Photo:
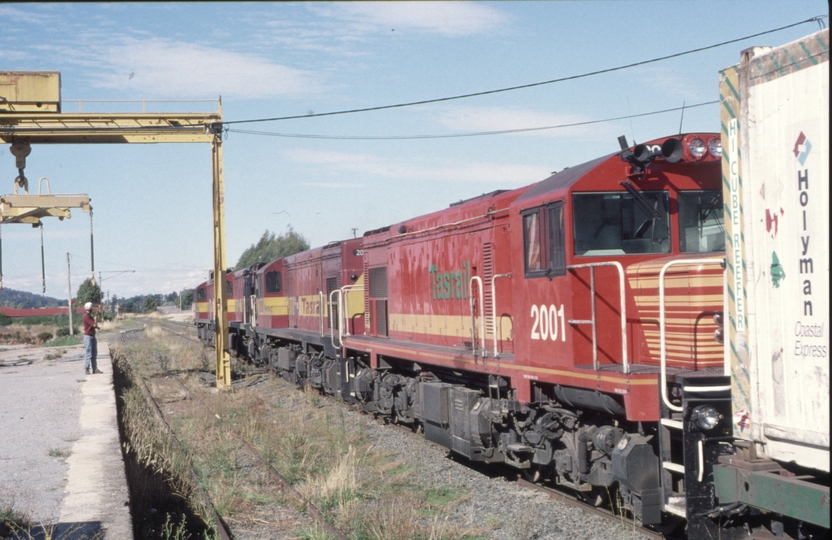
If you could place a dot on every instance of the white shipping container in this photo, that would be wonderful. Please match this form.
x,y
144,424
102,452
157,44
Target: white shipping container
x,y
775,120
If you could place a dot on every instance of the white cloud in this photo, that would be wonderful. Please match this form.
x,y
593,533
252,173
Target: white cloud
x,y
10,14
164,67
405,170
452,19
335,185
672,82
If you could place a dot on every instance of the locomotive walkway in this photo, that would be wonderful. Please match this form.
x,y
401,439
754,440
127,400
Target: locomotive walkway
x,y
60,457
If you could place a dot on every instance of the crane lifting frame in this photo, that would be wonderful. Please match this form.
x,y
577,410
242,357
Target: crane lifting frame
x,y
32,208
50,127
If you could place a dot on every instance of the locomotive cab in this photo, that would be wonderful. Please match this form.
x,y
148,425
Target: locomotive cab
x,y
622,263
594,238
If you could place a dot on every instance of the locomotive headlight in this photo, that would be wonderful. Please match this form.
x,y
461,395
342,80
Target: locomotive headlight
x,y
719,320
715,147
705,417
697,148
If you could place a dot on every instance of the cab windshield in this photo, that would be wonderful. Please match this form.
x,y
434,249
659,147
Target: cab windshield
x,y
619,223
700,221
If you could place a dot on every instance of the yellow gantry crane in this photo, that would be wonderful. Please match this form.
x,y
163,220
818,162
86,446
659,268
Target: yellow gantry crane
x,y
30,114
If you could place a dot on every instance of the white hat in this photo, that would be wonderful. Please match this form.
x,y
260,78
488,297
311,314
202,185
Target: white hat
x,y
88,306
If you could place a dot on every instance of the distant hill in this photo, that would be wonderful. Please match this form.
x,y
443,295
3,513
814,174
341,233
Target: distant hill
x,y
26,300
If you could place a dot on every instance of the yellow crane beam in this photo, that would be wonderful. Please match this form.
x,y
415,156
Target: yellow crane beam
x,y
113,128
30,108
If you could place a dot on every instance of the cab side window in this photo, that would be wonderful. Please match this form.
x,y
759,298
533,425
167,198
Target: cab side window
x,y
273,282
543,241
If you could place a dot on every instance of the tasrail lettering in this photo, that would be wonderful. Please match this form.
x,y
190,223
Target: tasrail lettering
x,y
309,307
450,285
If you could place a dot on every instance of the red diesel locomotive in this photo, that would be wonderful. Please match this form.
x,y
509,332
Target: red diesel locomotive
x,y
570,328
203,307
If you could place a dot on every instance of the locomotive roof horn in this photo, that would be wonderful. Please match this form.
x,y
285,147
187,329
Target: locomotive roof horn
x,y
642,155
672,150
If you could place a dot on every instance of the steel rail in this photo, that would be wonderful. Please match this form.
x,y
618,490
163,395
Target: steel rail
x,y
311,508
573,501
219,525
287,486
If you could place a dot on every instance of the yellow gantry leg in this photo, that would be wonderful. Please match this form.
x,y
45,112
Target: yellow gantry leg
x,y
220,296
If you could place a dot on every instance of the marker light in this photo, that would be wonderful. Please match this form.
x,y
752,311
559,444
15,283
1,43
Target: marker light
x,y
715,147
705,417
697,148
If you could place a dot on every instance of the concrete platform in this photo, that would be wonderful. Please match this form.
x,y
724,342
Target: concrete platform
x,y
60,458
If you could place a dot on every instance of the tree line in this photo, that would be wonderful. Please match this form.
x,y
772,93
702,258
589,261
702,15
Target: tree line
x,y
268,248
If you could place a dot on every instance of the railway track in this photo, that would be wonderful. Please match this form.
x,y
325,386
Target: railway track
x,y
569,499
224,531
555,494
562,496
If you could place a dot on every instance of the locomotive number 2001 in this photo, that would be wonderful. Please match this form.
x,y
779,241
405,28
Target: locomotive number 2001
x,y
548,323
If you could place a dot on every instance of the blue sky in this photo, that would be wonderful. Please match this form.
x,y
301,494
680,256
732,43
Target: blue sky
x,y
152,203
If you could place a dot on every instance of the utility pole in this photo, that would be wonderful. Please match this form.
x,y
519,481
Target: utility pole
x,y
69,292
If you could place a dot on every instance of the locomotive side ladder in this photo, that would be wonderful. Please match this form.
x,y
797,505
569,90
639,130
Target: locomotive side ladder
x,y
693,390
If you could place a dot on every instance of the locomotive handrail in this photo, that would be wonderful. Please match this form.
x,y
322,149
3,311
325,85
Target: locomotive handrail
x,y
343,302
473,315
662,339
332,334
321,311
494,308
624,363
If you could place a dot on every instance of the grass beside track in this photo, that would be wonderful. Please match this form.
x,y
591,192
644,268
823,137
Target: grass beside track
x,y
321,449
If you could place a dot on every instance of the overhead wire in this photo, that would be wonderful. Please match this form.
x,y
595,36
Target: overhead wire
x,y
460,135
529,85
131,266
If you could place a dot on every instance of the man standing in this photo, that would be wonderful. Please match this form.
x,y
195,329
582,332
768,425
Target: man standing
x,y
90,343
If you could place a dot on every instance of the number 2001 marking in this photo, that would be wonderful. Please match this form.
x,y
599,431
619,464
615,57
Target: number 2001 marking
x,y
546,325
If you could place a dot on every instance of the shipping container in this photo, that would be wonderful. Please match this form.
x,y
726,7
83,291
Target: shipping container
x,y
775,129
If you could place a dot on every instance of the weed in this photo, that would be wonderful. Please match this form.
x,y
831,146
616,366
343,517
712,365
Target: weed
x,y
65,341
55,355
444,496
11,520
175,531
58,452
310,440
316,533
525,527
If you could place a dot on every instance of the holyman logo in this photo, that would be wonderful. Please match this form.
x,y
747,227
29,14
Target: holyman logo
x,y
802,148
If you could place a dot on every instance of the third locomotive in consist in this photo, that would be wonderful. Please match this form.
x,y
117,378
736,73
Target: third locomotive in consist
x,y
575,329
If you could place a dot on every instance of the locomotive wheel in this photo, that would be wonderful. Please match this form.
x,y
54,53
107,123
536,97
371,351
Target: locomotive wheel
x,y
536,473
598,496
